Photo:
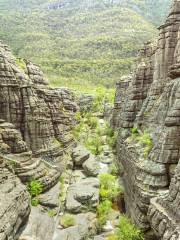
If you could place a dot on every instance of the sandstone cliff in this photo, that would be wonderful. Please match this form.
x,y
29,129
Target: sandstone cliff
x,y
149,102
35,135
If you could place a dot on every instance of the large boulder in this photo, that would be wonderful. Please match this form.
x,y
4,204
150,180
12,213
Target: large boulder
x,y
91,167
79,155
82,195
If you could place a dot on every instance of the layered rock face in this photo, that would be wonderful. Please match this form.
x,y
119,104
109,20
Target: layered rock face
x,y
150,102
35,135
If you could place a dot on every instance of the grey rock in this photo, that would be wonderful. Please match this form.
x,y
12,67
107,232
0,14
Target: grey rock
x,y
51,197
91,167
82,195
79,155
85,226
40,226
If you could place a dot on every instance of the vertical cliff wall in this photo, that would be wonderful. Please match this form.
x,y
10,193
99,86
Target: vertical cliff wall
x,y
149,102
35,136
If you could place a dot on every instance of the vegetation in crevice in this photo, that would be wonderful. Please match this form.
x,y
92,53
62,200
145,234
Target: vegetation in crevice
x,y
143,138
126,231
67,220
35,188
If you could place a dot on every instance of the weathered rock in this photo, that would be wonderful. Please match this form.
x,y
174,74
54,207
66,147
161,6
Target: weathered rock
x,y
150,101
82,195
40,226
51,198
79,155
14,203
91,167
35,134
85,226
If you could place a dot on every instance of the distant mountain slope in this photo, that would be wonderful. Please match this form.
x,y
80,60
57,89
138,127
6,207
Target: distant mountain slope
x,y
80,41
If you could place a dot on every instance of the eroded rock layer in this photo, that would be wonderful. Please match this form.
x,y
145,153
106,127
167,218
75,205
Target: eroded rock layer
x,y
149,102
35,135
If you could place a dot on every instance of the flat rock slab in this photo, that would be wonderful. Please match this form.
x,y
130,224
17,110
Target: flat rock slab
x,y
85,226
82,195
51,197
79,155
40,226
91,167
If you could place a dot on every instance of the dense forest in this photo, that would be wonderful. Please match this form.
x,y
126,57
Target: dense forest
x,y
80,41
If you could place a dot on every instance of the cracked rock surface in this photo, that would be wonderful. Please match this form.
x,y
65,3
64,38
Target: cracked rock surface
x,y
149,100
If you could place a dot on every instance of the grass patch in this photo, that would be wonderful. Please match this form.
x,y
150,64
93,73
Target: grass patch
x,y
67,220
126,231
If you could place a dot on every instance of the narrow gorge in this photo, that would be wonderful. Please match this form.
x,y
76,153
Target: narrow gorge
x,y
79,167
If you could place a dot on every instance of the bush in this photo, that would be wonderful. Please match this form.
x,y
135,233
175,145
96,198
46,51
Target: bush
x,y
109,187
134,131
93,122
94,144
67,220
35,189
114,170
103,211
126,231
146,140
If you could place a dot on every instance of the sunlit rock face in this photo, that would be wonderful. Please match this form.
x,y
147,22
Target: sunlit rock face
x,y
150,102
35,135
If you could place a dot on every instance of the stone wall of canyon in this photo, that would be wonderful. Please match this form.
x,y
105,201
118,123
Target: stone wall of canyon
x,y
35,136
149,102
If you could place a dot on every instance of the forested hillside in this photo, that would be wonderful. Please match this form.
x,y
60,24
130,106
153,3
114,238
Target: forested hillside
x,y
80,41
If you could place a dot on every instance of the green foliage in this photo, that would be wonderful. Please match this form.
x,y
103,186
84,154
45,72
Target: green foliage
x,y
52,213
67,220
144,139
126,231
84,42
93,122
103,211
114,170
78,116
35,189
21,64
62,194
111,136
94,144
109,187
134,131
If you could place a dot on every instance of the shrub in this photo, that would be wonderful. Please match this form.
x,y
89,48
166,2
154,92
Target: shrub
x,y
94,144
127,231
114,169
78,116
52,213
35,189
109,187
112,140
93,122
146,140
103,211
134,131
67,220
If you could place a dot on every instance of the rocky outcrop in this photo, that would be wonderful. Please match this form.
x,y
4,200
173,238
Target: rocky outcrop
x,y
14,202
35,135
149,101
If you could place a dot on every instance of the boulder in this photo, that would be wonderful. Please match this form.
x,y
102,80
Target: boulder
x,y
79,155
91,167
82,195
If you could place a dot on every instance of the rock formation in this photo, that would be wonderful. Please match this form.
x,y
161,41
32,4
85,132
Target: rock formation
x,y
35,135
149,102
